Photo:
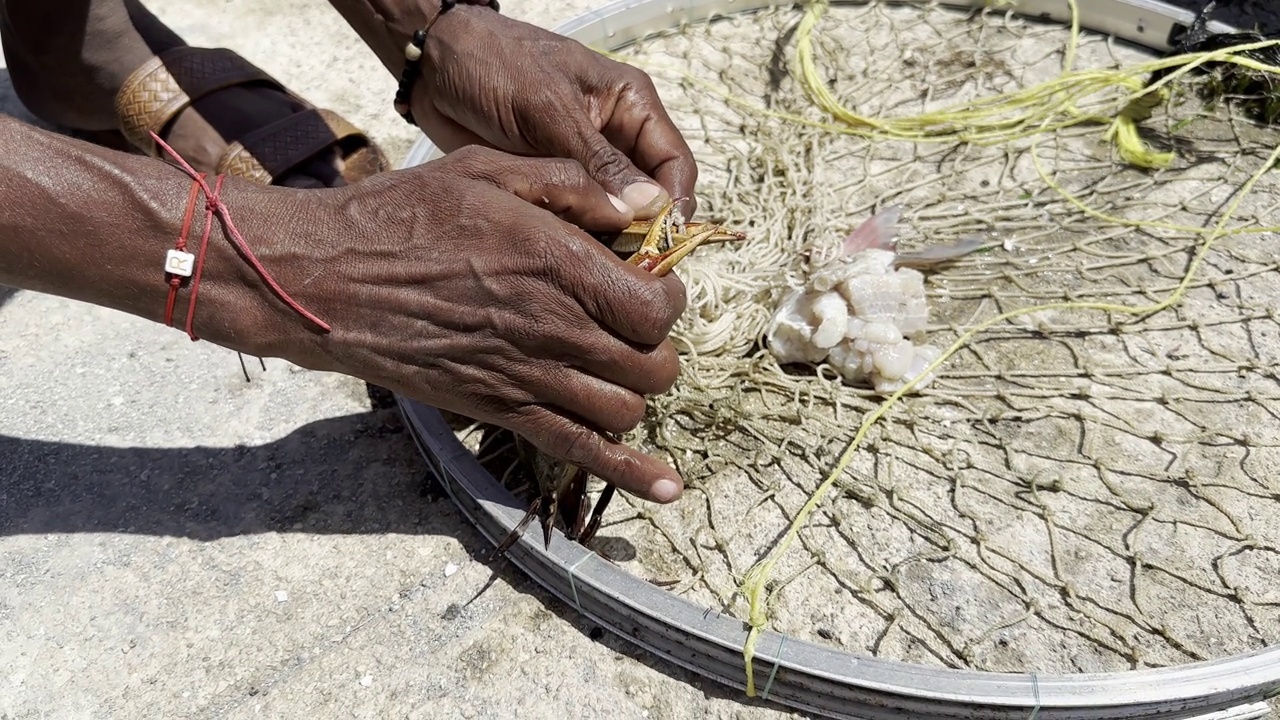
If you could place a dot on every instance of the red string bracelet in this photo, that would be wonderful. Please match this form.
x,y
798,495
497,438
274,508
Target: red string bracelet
x,y
215,206
209,208
178,262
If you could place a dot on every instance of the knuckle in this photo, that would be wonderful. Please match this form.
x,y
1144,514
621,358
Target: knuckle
x,y
544,250
481,153
478,162
649,327
464,157
624,415
640,80
607,162
692,171
662,368
662,304
677,297
578,446
626,303
569,174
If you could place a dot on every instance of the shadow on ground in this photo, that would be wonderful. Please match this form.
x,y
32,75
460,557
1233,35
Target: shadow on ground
x,y
356,474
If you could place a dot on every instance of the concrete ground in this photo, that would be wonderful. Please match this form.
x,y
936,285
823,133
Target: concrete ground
x,y
178,543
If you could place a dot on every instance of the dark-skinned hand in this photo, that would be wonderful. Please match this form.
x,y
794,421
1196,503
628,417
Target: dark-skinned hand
x,y
490,80
467,284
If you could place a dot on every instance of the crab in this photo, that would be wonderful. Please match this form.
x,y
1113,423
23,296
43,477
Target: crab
x,y
656,245
1256,93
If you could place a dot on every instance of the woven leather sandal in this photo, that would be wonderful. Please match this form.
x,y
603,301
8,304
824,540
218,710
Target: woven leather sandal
x,y
165,85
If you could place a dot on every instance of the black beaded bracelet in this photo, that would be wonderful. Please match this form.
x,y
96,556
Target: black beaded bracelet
x,y
413,54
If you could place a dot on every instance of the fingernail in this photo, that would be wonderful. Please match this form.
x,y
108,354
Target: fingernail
x,y
665,490
622,207
644,196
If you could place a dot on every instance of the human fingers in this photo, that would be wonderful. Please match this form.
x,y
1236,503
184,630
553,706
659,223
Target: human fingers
x,y
614,462
640,127
561,186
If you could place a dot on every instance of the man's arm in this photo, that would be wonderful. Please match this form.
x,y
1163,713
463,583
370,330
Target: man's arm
x,y
414,270
94,225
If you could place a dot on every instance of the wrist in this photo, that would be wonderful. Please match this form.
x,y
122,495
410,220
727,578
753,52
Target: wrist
x,y
432,40
400,20
235,306
395,21
387,25
117,218
403,18
454,28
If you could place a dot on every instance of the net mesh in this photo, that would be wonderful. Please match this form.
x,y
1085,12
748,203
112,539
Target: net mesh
x,y
1078,490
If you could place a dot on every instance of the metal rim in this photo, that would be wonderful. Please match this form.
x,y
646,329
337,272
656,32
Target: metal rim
x,y
791,671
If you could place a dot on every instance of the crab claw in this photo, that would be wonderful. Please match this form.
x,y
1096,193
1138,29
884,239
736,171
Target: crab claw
x,y
679,241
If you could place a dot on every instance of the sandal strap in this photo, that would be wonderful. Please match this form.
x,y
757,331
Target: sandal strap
x,y
165,85
273,150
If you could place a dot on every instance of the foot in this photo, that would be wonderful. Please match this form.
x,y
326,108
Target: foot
x,y
224,115
204,130
111,72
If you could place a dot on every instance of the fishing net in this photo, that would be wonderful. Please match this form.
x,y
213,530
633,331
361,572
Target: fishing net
x,y
1081,489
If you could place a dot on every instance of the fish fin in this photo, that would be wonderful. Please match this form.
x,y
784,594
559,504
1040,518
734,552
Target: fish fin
x,y
876,232
938,254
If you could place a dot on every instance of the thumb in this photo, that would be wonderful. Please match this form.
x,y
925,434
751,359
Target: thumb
x,y
615,172
560,186
617,464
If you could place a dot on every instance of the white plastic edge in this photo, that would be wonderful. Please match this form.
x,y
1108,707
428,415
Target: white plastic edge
x,y
794,672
